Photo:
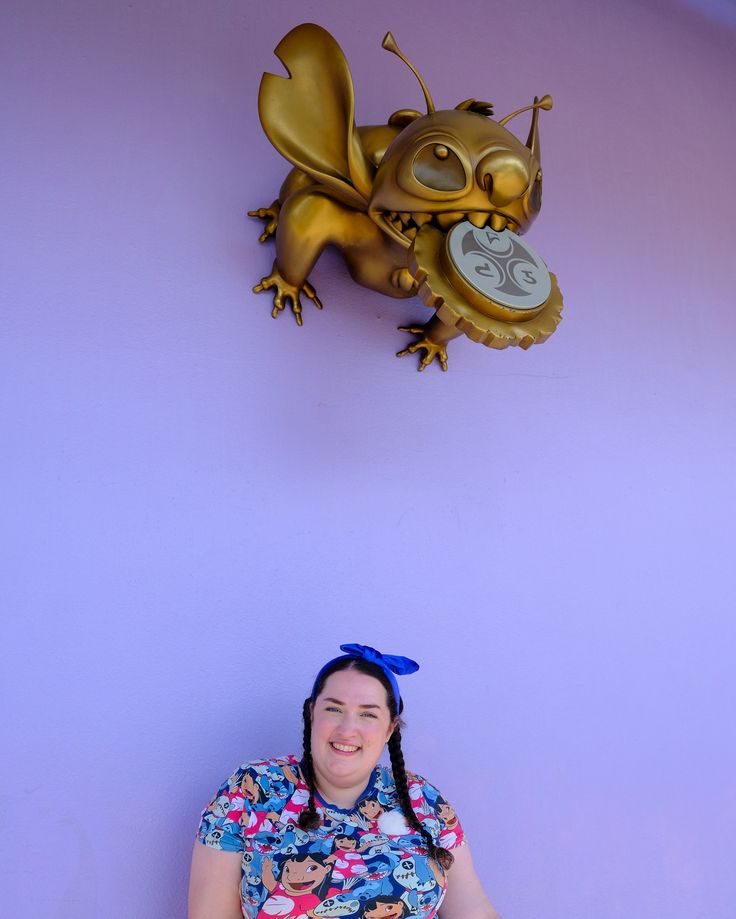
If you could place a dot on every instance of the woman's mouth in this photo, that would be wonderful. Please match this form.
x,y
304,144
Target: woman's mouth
x,y
346,749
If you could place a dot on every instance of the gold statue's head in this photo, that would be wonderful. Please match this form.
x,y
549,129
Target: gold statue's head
x,y
457,164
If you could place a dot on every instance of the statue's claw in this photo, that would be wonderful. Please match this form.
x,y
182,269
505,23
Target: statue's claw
x,y
433,350
285,292
271,216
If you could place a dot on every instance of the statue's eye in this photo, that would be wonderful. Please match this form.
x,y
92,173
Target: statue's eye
x,y
437,166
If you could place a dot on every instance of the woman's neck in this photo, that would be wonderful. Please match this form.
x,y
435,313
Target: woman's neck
x,y
342,797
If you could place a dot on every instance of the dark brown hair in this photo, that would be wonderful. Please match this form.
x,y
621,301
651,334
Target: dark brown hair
x,y
309,819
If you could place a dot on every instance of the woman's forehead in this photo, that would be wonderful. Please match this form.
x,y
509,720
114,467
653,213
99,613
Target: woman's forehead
x,y
354,687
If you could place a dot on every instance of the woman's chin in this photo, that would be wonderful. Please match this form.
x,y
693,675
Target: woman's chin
x,y
340,768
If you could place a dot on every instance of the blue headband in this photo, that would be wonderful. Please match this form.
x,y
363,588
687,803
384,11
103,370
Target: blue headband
x,y
389,664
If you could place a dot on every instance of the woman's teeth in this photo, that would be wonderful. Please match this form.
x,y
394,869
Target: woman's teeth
x,y
345,748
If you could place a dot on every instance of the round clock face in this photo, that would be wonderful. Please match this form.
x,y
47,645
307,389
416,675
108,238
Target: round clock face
x,y
501,266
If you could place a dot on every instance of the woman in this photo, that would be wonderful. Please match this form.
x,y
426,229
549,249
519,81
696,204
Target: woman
x,y
336,834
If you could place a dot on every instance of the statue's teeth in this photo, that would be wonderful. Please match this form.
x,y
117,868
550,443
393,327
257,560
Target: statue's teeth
x,y
450,219
498,222
421,219
405,215
478,218
411,232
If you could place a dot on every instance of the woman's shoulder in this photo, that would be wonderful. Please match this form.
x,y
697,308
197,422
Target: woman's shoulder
x,y
417,785
272,764
385,776
423,785
265,773
428,804
253,791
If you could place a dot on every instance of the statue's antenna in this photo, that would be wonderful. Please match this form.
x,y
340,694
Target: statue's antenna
x,y
545,102
389,43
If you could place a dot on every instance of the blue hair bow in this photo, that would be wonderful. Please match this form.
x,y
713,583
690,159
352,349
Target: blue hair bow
x,y
393,662
390,664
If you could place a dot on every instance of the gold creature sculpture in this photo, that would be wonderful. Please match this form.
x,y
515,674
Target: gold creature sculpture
x,y
428,204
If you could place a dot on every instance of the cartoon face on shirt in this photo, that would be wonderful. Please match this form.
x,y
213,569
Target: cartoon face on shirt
x,y
406,874
213,837
221,806
384,908
332,907
247,869
266,843
302,876
250,788
346,843
371,808
295,833
447,815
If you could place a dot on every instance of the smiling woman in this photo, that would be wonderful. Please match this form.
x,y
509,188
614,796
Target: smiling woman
x,y
334,833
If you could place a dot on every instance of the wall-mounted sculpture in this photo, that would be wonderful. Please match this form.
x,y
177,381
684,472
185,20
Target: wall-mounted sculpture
x,y
431,205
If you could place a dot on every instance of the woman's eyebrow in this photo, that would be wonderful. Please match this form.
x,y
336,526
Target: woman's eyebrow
x,y
339,702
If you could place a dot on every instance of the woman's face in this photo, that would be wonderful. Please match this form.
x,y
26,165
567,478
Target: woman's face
x,y
350,726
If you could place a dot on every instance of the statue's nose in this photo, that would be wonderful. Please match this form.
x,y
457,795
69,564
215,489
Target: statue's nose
x,y
503,175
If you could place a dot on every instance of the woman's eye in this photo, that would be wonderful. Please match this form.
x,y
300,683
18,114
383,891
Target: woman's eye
x,y
368,715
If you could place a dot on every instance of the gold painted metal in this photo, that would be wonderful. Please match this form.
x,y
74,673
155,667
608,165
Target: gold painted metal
x,y
458,305
386,195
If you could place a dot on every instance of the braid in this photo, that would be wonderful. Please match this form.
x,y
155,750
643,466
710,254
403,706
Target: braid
x,y
309,818
443,856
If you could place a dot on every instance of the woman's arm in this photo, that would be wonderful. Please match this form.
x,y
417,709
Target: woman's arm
x,y
465,898
214,884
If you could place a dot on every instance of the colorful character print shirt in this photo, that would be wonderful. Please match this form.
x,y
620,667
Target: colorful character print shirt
x,y
362,863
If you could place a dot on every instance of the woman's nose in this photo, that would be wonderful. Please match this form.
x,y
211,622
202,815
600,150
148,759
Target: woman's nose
x,y
348,723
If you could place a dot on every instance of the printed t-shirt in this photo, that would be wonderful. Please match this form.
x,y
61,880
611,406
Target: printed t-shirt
x,y
361,863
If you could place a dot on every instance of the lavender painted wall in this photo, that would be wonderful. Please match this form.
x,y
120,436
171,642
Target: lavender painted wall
x,y
200,503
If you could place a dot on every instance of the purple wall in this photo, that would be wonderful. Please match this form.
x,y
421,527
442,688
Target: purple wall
x,y
201,503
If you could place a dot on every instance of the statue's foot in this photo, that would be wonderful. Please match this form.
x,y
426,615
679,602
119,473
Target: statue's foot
x,y
271,216
432,349
285,292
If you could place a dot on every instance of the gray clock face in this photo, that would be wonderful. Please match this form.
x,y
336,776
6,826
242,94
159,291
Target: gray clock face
x,y
501,266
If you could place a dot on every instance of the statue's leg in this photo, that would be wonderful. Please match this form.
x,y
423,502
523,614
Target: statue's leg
x,y
296,180
308,221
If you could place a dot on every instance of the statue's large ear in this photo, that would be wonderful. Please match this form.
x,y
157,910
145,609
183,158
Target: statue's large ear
x,y
403,117
309,116
476,105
